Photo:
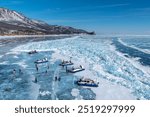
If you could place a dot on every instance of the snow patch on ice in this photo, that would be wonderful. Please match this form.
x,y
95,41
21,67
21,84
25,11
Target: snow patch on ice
x,y
1,56
22,64
76,94
45,93
4,62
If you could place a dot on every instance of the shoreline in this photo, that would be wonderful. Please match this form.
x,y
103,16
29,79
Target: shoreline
x,y
31,38
22,36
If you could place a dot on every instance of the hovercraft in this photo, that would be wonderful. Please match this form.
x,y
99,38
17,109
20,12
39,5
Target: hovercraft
x,y
87,82
75,69
32,52
44,60
65,63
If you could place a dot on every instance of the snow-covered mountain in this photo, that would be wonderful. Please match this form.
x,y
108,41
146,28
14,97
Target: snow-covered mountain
x,y
12,22
16,18
8,15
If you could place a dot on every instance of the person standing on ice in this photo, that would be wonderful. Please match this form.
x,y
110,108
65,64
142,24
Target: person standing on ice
x,y
14,72
59,78
46,72
48,67
37,69
55,78
35,80
20,71
70,59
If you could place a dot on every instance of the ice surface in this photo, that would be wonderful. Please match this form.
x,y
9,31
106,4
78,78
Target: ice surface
x,y
132,46
122,75
119,77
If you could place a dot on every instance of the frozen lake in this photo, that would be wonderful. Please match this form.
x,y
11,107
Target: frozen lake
x,y
121,67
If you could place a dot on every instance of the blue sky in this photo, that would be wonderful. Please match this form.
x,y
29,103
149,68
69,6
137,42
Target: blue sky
x,y
102,16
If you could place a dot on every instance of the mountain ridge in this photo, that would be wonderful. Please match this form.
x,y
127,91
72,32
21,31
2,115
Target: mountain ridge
x,y
14,23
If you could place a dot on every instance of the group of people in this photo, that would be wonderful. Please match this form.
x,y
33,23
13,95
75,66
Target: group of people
x,y
63,62
37,69
15,72
57,78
